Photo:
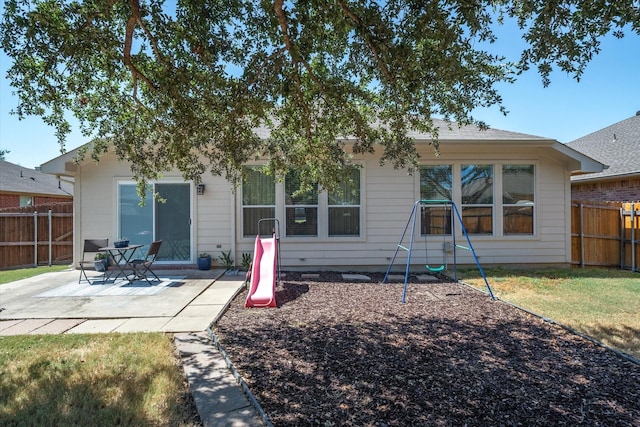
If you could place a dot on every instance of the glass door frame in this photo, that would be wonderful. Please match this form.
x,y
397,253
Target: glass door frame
x,y
149,199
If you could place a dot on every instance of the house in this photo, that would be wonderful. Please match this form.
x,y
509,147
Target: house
x,y
512,189
20,186
617,146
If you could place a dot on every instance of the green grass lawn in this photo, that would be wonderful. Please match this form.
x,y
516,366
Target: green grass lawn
x,y
601,303
101,380
7,276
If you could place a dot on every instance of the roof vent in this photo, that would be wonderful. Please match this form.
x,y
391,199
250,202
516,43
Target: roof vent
x,y
637,113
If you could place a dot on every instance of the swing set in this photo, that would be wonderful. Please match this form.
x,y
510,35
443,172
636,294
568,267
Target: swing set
x,y
454,214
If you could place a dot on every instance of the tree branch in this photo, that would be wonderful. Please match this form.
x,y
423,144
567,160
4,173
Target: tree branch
x,y
376,55
284,28
133,20
90,19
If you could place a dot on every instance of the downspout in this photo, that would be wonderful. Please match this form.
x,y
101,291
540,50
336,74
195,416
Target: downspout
x,y
567,209
77,220
234,232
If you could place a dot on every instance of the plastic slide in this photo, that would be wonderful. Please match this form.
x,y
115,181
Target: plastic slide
x,y
262,292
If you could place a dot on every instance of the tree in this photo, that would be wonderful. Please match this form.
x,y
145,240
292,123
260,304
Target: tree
x,y
3,154
187,84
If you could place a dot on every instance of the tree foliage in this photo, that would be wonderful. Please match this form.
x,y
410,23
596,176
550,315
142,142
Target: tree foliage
x,y
208,85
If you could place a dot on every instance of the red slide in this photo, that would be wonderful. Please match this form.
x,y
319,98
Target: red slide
x,y
262,292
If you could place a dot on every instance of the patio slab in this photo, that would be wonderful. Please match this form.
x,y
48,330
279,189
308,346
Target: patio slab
x,y
58,326
4,324
142,324
216,293
96,326
25,327
22,299
187,324
219,400
427,278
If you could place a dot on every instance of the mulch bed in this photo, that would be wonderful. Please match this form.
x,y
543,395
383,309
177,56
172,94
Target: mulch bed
x,y
337,353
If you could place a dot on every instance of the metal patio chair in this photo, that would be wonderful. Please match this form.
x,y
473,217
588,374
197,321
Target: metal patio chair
x,y
142,267
91,247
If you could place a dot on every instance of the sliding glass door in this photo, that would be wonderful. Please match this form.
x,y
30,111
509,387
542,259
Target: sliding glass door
x,y
167,218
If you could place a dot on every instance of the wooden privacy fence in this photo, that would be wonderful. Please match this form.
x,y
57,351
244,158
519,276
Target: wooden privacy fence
x,y
40,235
605,234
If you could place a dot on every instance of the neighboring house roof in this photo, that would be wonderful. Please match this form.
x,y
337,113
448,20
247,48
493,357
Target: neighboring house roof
x,y
617,145
16,179
448,133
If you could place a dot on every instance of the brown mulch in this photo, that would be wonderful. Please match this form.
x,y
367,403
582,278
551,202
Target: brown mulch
x,y
336,353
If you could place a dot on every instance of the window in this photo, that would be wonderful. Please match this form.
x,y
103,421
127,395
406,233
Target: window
x,y
517,199
344,206
301,207
477,198
26,201
258,199
435,184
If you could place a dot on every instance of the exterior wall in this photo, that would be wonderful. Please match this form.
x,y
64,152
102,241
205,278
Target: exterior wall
x,y
9,201
44,200
13,200
97,214
623,190
387,198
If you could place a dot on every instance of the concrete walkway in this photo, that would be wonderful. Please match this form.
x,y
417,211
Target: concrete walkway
x,y
187,307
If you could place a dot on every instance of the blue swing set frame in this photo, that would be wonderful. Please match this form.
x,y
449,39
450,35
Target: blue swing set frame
x,y
455,213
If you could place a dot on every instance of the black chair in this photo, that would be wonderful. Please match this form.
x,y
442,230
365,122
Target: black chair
x,y
142,267
91,247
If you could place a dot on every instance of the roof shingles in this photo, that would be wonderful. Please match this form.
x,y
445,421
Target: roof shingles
x,y
18,179
617,145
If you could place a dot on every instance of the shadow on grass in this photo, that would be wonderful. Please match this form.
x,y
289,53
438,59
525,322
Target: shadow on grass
x,y
57,391
622,337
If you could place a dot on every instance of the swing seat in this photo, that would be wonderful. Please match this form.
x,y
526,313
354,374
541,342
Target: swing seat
x,y
434,269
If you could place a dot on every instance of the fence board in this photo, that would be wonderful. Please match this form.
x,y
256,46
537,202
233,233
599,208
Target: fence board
x,y
631,236
27,238
597,233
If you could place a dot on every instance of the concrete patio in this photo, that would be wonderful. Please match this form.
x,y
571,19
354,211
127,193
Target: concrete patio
x,y
190,303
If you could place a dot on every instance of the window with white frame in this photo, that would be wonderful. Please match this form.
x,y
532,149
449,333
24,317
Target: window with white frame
x,y
344,206
310,213
477,198
301,207
518,199
258,199
436,183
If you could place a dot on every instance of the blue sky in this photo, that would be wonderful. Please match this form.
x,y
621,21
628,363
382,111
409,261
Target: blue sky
x,y
609,91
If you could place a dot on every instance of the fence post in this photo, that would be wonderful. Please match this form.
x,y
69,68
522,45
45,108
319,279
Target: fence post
x,y
35,238
581,205
633,237
622,236
50,242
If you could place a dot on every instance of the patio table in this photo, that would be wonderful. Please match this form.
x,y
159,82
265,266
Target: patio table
x,y
121,257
